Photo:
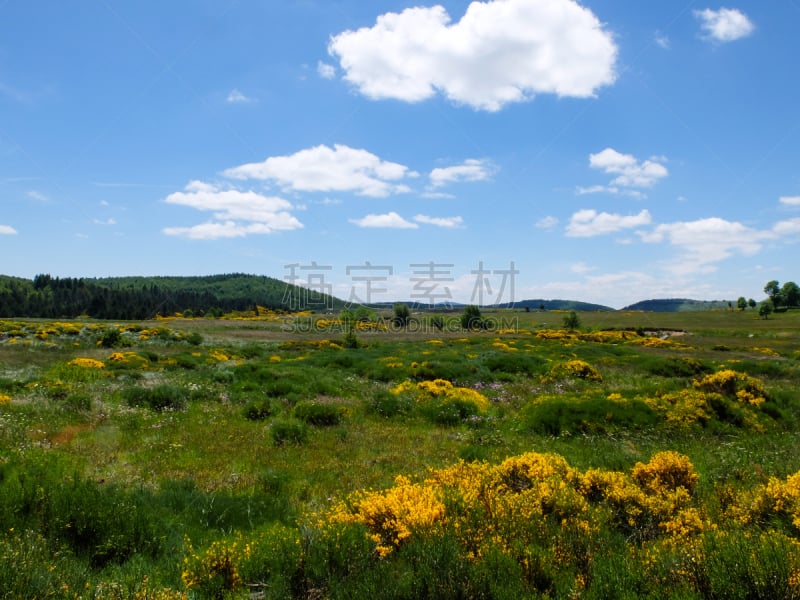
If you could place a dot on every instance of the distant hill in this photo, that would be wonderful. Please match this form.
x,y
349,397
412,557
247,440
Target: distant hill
x,y
679,305
145,297
553,305
523,304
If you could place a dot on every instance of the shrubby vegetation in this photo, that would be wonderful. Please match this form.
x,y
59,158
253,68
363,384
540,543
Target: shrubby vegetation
x,y
637,459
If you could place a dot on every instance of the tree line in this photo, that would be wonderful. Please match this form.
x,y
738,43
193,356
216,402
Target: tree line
x,y
137,298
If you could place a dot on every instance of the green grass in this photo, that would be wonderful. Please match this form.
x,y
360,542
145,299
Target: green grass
x,y
222,428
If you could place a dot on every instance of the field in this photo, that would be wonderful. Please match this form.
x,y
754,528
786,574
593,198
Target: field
x,y
639,455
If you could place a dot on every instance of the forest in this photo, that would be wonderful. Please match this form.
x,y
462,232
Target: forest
x,y
147,297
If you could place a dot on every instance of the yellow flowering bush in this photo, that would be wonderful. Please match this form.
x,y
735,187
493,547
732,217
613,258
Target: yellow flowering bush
x,y
735,385
666,472
441,389
5,399
683,408
391,516
579,369
217,568
775,499
87,363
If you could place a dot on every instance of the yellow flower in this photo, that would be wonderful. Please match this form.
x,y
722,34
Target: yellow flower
x,y
86,363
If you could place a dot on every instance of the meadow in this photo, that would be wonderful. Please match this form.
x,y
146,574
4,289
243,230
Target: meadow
x,y
639,455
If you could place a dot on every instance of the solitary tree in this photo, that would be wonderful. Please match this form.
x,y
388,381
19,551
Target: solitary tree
x,y
402,315
572,321
471,318
765,309
741,303
752,303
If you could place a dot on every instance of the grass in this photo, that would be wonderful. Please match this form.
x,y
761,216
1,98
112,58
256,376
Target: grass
x,y
216,436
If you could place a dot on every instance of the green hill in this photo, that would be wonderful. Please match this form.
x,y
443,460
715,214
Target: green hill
x,y
680,305
145,297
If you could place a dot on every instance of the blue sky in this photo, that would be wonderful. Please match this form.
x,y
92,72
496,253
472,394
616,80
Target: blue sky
x,y
489,151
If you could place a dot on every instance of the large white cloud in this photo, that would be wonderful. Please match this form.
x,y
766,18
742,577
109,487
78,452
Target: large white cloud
x,y
588,222
7,230
472,169
501,51
389,220
790,200
630,172
707,241
725,24
236,213
324,169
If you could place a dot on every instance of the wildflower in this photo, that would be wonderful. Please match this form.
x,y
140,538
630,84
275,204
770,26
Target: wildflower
x,y
86,363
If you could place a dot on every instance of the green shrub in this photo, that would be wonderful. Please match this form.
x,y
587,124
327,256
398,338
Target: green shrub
x,y
514,362
78,402
194,339
386,404
449,411
319,413
161,397
258,410
289,431
593,415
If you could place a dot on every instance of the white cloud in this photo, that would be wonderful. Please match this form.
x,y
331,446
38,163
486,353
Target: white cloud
x,y
661,40
707,241
501,51
110,221
37,196
630,172
589,223
725,24
790,200
390,220
214,231
609,189
325,70
324,169
471,169
547,222
580,268
445,222
786,227
237,97
236,213
7,230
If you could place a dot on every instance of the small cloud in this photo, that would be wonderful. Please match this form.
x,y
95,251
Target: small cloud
x,y
589,223
237,97
110,221
580,268
7,230
546,223
792,226
790,200
446,222
661,40
471,169
436,195
725,24
630,171
37,196
389,220
325,70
